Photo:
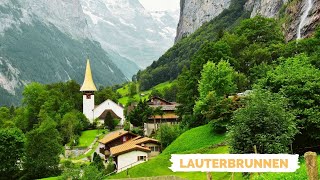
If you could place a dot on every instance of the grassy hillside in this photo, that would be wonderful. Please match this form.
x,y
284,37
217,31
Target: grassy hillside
x,y
124,92
301,173
200,140
203,141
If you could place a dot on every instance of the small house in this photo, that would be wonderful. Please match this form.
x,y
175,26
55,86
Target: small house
x,y
128,149
168,115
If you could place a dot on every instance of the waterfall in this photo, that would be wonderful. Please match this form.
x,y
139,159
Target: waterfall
x,y
303,18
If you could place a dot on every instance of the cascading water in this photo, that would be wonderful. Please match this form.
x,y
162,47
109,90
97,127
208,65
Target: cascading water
x,y
303,18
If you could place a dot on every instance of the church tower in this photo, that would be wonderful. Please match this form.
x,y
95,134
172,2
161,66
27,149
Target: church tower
x,y
88,89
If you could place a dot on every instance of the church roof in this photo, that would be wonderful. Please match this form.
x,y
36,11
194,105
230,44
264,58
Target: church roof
x,y
88,84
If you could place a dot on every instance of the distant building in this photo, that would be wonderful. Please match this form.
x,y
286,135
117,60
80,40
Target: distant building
x,y
128,149
168,115
93,112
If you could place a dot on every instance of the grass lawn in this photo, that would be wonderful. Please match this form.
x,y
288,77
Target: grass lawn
x,y
87,137
301,173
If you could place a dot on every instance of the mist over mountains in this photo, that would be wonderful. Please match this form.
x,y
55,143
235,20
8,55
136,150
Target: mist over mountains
x,y
49,41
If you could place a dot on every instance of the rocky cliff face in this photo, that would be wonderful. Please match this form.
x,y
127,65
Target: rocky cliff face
x,y
194,13
295,11
267,8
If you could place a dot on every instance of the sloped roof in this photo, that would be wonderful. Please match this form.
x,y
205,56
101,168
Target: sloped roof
x,y
104,114
133,144
157,97
165,116
88,84
112,136
165,107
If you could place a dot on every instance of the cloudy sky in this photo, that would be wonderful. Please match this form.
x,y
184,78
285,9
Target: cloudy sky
x,y
158,5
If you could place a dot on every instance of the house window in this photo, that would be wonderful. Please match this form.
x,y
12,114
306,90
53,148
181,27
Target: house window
x,y
124,138
142,158
156,148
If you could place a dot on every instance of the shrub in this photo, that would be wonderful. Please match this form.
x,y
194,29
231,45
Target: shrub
x,y
265,123
167,134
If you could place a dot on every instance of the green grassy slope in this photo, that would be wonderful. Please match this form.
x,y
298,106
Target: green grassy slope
x,y
87,137
301,173
200,140
124,92
197,140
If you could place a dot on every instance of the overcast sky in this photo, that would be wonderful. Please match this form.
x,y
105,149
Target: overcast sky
x,y
158,5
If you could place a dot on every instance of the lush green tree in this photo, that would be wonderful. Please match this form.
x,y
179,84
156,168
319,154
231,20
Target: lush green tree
x,y
43,148
170,93
70,127
53,100
260,30
217,109
92,172
6,116
34,96
265,123
188,80
299,81
217,81
168,133
187,93
110,166
217,77
140,114
156,93
97,161
21,119
70,171
106,93
132,89
11,152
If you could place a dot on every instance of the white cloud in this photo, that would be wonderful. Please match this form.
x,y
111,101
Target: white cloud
x,y
159,5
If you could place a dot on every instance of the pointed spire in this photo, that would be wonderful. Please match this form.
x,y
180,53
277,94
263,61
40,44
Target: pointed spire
x,y
88,84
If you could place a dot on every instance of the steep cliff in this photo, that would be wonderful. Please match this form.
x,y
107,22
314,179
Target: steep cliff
x,y
294,18
267,8
193,13
290,13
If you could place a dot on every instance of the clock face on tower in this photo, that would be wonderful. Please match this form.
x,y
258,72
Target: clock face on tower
x,y
88,96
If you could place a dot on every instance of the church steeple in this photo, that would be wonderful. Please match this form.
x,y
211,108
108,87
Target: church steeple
x,y
88,84
88,89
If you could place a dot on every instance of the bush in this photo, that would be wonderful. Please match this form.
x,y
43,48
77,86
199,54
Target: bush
x,y
126,126
137,130
167,134
92,172
265,123
97,161
111,166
